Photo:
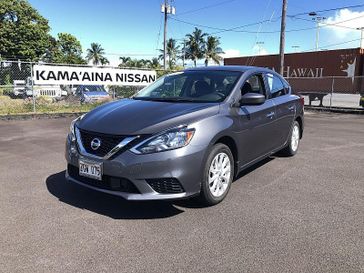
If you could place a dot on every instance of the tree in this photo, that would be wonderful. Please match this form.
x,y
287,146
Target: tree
x,y
95,54
52,52
139,63
69,50
104,61
124,61
212,50
195,45
23,31
172,51
154,64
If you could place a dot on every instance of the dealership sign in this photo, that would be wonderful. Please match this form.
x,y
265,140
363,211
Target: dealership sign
x,y
47,74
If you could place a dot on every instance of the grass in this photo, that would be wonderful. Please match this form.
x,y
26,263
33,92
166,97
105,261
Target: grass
x,y
10,106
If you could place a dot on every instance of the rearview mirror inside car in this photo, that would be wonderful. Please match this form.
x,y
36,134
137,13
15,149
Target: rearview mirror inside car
x,y
252,99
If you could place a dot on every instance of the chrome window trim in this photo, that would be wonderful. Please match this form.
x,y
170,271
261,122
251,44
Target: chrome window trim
x,y
113,151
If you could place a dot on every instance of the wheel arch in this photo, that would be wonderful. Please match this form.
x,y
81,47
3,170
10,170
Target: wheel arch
x,y
300,122
230,142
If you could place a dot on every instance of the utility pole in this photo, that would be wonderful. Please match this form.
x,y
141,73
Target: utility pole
x,y
361,36
184,52
282,38
165,34
166,9
318,20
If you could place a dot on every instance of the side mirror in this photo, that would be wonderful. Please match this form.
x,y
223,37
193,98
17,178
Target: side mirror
x,y
252,99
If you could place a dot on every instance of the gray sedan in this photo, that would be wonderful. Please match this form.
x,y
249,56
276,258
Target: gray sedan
x,y
187,134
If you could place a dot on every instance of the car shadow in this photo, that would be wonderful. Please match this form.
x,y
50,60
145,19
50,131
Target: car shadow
x,y
194,202
255,166
106,204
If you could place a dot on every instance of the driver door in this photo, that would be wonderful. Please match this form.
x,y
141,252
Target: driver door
x,y
256,122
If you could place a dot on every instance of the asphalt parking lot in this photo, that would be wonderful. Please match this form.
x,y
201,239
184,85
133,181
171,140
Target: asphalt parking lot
x,y
301,214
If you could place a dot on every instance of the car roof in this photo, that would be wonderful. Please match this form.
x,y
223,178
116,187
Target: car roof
x,y
240,68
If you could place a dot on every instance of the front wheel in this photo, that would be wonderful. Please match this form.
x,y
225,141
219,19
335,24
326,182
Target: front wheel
x,y
293,141
218,175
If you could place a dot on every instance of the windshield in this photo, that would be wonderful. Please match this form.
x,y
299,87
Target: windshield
x,y
191,86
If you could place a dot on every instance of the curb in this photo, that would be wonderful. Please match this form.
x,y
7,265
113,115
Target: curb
x,y
40,116
356,111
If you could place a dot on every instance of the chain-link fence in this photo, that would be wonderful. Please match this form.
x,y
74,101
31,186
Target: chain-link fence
x,y
20,94
344,92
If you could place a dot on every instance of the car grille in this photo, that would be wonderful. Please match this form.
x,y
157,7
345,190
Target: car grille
x,y
165,185
108,142
110,183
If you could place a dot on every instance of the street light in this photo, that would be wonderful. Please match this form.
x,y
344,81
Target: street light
x,y
361,36
318,19
295,48
259,44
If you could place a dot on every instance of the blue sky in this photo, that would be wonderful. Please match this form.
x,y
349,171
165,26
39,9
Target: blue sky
x,y
136,27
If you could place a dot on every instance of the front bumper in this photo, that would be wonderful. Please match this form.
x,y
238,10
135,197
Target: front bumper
x,y
184,165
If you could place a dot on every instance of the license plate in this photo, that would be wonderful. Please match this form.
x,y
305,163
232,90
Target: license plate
x,y
90,169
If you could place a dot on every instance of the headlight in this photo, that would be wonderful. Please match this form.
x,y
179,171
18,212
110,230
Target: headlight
x,y
72,127
169,140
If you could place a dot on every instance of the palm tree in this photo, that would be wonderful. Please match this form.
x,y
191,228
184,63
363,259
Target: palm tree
x,y
125,61
195,45
154,64
212,50
172,50
95,54
104,61
129,62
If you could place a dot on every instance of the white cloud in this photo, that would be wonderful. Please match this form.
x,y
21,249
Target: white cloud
x,y
229,53
259,50
347,19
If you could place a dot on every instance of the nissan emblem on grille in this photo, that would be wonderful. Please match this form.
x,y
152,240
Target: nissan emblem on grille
x,y
95,143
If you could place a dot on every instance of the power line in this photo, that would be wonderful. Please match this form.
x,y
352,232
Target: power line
x,y
330,45
326,10
261,25
206,7
328,24
159,32
131,54
236,29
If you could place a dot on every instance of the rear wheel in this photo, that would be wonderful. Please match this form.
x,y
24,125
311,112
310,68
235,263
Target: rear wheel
x,y
218,175
293,141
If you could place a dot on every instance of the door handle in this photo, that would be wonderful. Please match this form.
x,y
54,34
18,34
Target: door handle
x,y
291,108
270,115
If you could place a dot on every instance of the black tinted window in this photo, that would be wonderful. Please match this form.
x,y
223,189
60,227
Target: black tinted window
x,y
276,86
254,84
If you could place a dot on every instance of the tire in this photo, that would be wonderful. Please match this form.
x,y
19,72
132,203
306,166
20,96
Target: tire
x,y
293,140
213,191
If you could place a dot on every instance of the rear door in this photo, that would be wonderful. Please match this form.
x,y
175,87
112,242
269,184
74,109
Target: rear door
x,y
285,108
256,123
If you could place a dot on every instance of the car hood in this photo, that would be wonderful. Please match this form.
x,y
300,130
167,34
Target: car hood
x,y
134,117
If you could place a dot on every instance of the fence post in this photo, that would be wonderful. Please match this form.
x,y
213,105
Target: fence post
x,y
31,85
332,90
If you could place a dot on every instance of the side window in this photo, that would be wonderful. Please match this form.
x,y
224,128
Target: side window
x,y
276,86
254,84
